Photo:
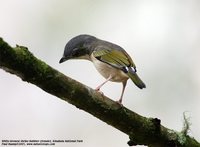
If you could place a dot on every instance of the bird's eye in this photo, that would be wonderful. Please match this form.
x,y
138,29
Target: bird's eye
x,y
75,52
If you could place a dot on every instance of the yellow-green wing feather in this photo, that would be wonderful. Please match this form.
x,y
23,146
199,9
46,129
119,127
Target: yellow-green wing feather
x,y
119,59
113,57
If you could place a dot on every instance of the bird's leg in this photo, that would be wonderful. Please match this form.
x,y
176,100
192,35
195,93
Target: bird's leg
x,y
123,88
98,88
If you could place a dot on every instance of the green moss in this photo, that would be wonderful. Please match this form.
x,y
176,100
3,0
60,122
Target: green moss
x,y
181,138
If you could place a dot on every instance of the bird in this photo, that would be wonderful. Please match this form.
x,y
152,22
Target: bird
x,y
110,60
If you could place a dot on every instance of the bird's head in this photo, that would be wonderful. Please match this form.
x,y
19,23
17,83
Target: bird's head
x,y
78,47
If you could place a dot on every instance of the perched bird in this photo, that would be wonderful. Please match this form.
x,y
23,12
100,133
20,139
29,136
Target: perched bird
x,y
110,60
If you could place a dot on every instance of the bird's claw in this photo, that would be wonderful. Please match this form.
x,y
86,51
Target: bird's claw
x,y
98,90
120,103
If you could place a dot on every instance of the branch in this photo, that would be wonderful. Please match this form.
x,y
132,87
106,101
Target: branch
x,y
141,130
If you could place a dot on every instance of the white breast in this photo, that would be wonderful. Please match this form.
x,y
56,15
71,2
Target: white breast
x,y
106,70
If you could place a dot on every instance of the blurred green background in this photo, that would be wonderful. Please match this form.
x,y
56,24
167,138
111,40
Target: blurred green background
x,y
162,36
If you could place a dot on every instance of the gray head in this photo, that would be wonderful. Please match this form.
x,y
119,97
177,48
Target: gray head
x,y
78,47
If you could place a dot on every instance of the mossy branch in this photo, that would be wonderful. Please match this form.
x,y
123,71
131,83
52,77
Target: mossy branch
x,y
141,130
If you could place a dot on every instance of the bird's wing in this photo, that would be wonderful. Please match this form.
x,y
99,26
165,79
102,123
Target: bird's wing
x,y
117,58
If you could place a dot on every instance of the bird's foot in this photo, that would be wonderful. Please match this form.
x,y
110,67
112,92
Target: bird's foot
x,y
119,102
98,90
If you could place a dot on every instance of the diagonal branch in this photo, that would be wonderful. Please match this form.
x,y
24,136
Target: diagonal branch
x,y
141,130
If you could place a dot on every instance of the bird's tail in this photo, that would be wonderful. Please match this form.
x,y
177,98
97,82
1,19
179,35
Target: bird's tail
x,y
135,78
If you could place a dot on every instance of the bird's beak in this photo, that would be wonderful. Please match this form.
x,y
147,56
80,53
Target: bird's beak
x,y
63,59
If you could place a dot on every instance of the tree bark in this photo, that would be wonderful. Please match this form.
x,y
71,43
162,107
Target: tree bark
x,y
141,130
